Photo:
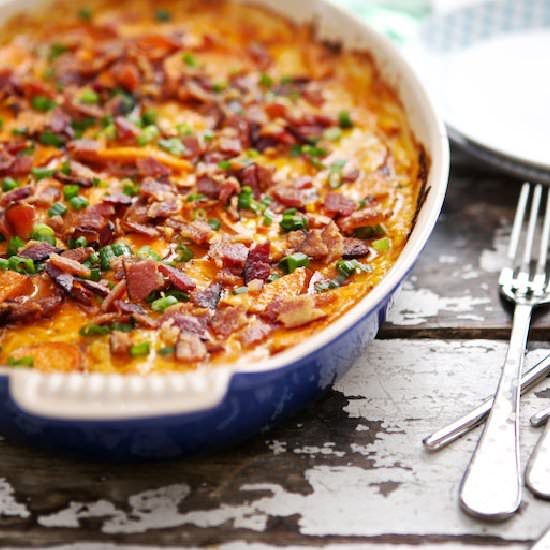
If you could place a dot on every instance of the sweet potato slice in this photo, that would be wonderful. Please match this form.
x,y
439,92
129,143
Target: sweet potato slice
x,y
51,356
13,284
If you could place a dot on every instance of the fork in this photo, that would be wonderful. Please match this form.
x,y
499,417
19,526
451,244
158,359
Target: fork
x,y
491,487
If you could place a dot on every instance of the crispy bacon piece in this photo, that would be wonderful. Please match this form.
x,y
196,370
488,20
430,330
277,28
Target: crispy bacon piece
x,y
290,196
113,297
80,254
20,219
258,177
209,297
119,198
142,278
46,192
126,75
227,320
21,166
299,310
254,333
84,149
73,287
142,229
126,131
190,324
355,248
208,186
338,205
157,190
190,348
231,256
198,231
259,55
37,251
334,241
162,209
257,264
229,187
150,166
16,195
98,288
59,121
120,342
177,277
364,217
68,265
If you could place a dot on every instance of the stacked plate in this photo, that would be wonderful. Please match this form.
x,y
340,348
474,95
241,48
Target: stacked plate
x,y
487,65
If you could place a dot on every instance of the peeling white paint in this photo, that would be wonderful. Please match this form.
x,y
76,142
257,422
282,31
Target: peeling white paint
x,y
326,449
9,506
276,447
415,306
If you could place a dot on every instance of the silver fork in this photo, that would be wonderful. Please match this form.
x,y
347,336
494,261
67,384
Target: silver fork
x,y
491,487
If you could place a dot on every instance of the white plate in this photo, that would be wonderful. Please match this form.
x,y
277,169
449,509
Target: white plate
x,y
488,68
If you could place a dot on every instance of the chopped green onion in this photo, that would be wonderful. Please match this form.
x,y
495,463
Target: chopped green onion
x,y
41,173
347,268
24,361
194,197
56,50
185,253
245,197
78,242
57,209
289,264
89,97
332,134
106,254
323,286
85,14
370,231
168,350
66,168
147,135
273,277
147,253
268,218
70,191
184,129
4,264
148,118
240,290
381,245
21,265
49,138
219,87
42,103
9,183
140,349
293,221
162,303
78,203
121,249
224,165
173,146
335,174
14,244
214,223
22,131
199,214
208,136
94,330
265,80
344,119
1,123
43,233
122,327
130,188
95,274
163,16
189,59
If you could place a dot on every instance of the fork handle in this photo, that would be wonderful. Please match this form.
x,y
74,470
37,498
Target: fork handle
x,y
536,477
491,487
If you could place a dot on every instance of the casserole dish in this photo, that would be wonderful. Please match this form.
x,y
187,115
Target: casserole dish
x,y
152,416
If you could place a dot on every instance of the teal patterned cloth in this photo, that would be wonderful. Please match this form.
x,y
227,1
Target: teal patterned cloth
x,y
397,19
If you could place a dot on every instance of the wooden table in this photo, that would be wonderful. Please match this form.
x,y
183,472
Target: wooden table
x,y
349,471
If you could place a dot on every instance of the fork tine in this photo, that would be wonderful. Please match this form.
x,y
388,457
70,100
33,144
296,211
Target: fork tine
x,y
518,220
535,204
543,255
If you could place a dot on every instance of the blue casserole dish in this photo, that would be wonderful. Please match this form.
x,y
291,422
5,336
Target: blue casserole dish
x,y
119,418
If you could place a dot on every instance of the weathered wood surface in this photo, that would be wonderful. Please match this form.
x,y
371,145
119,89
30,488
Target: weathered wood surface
x,y
350,470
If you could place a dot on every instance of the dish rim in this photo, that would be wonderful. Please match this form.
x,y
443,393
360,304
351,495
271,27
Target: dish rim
x,y
97,396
